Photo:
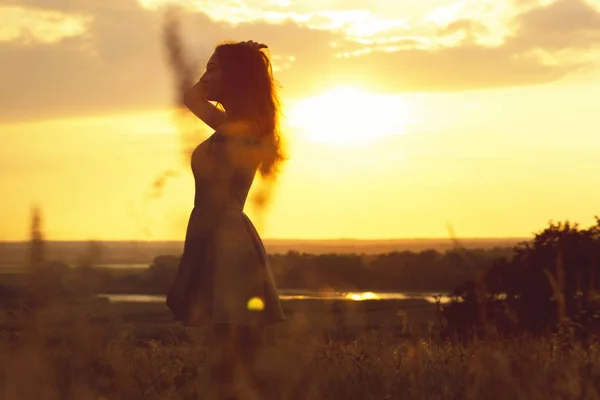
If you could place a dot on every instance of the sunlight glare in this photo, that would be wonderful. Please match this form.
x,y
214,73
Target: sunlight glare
x,y
350,116
362,296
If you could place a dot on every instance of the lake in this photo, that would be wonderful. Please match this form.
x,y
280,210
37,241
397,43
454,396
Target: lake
x,y
294,294
284,294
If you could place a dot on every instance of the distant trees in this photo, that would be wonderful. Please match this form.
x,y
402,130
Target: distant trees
x,y
161,273
427,270
45,279
93,254
37,256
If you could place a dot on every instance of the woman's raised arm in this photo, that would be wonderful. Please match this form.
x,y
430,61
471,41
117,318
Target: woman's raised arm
x,y
195,101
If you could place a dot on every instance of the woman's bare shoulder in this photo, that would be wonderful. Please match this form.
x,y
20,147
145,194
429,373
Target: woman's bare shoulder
x,y
234,141
236,132
235,128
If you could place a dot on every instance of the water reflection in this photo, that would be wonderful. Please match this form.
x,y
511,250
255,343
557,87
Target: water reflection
x,y
133,298
299,295
363,296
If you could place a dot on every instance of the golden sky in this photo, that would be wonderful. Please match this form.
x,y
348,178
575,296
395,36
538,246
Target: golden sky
x,y
401,116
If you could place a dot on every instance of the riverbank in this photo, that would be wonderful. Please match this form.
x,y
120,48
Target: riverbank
x,y
322,318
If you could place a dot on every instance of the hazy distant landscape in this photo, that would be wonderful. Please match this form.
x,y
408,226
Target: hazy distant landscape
x,y
143,252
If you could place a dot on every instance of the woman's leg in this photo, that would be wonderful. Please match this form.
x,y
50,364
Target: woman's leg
x,y
223,361
237,348
249,343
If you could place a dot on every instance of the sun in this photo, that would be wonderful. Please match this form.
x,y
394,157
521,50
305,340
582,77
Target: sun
x,y
349,116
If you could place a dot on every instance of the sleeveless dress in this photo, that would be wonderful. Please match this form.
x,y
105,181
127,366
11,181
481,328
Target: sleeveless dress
x,y
224,276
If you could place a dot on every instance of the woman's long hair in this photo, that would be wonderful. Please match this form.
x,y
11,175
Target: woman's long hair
x,y
247,81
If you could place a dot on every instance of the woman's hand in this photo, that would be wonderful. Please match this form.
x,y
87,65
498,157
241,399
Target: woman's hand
x,y
255,45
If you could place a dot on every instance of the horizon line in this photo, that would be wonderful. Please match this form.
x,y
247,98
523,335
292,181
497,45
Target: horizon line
x,y
292,239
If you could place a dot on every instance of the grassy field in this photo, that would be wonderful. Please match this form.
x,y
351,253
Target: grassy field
x,y
91,349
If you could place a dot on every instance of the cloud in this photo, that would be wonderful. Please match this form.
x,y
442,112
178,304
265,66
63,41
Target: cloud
x,y
118,64
27,25
562,25
469,28
548,43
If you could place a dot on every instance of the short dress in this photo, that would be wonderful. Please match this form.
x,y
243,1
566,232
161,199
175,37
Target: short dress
x,y
224,276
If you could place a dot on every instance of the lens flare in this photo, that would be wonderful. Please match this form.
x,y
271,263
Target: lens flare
x,y
256,304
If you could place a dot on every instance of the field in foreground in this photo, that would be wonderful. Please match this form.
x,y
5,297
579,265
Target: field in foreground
x,y
96,350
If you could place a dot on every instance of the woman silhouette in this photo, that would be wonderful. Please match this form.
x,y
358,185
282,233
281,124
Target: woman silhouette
x,y
224,280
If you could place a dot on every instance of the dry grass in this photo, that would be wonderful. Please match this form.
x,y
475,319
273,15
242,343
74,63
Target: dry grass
x,y
83,351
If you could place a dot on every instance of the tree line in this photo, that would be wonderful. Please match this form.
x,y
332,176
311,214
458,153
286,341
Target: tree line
x,y
551,282
426,271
